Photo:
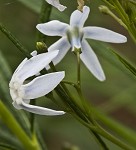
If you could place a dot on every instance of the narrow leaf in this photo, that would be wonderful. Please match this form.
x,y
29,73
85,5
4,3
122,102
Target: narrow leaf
x,y
129,66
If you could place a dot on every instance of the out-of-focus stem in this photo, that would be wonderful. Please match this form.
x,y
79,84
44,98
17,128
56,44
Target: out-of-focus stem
x,y
44,17
14,40
13,125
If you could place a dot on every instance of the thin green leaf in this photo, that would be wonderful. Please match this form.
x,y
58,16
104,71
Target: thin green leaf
x,y
106,51
6,137
14,40
3,145
129,66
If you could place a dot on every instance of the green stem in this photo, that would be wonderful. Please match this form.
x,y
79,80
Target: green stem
x,y
44,17
78,69
121,11
132,1
68,99
127,134
105,134
124,17
69,82
113,139
32,117
90,116
14,41
14,126
7,147
107,11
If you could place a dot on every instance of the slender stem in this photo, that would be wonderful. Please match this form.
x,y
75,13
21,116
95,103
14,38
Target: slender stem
x,y
106,10
14,126
91,118
99,140
113,139
68,99
70,83
44,17
122,12
14,41
78,87
127,134
105,134
78,69
125,18
108,3
132,1
32,117
7,147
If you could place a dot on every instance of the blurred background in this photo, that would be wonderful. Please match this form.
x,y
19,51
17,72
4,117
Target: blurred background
x,y
115,96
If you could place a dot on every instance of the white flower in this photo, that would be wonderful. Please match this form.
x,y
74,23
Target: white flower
x,y
56,4
21,93
74,35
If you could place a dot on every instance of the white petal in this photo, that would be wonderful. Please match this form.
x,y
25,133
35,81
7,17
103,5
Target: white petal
x,y
42,85
57,4
53,28
78,18
40,110
63,46
34,65
34,53
102,34
15,72
91,61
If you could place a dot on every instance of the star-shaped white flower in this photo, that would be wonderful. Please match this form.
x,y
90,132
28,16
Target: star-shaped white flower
x,y
56,4
74,35
22,92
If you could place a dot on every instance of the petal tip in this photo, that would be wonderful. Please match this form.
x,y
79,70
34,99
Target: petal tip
x,y
62,8
38,26
122,39
102,79
125,39
58,113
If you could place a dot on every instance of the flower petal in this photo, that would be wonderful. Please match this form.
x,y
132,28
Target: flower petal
x,y
57,4
42,85
102,34
34,65
78,18
40,110
61,44
91,61
53,28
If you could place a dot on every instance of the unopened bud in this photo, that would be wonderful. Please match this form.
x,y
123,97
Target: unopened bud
x,y
104,9
41,46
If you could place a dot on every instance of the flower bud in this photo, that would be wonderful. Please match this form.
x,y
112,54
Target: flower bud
x,y
41,46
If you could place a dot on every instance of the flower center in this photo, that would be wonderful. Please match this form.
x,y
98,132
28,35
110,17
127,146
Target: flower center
x,y
75,36
16,91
